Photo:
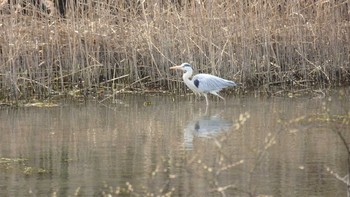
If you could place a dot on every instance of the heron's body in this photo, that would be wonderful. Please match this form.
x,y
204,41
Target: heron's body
x,y
203,84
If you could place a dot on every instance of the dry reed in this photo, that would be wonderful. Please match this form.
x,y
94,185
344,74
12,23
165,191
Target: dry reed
x,y
291,44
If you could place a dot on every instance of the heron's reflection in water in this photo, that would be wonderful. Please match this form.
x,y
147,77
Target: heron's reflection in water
x,y
206,126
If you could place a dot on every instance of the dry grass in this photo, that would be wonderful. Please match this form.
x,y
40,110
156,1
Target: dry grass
x,y
256,42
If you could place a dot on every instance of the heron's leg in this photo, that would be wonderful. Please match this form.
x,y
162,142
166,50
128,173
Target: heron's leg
x,y
206,98
198,95
216,94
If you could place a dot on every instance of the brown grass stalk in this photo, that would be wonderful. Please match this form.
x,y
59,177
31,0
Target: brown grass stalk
x,y
258,43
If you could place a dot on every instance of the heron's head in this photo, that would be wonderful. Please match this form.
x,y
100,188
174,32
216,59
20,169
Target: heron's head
x,y
184,67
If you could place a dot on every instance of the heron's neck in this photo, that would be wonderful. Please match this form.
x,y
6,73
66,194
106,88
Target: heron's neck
x,y
186,76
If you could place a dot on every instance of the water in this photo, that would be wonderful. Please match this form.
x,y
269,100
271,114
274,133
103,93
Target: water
x,y
143,145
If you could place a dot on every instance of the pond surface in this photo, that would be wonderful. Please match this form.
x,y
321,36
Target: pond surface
x,y
173,145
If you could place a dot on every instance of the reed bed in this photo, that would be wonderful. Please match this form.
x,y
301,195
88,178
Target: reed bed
x,y
107,45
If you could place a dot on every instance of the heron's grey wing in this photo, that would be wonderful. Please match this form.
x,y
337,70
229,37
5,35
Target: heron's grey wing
x,y
208,83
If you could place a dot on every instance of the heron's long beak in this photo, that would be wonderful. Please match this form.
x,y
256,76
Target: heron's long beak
x,y
175,67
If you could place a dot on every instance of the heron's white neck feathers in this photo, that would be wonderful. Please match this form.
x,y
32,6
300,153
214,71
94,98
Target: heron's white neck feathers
x,y
187,74
186,77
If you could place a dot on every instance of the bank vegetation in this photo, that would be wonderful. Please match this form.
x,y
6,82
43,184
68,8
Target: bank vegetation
x,y
109,46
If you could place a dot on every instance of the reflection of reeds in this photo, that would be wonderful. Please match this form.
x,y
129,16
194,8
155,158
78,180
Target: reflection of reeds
x,y
255,42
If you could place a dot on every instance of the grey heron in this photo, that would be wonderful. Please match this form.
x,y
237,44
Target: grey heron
x,y
203,84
